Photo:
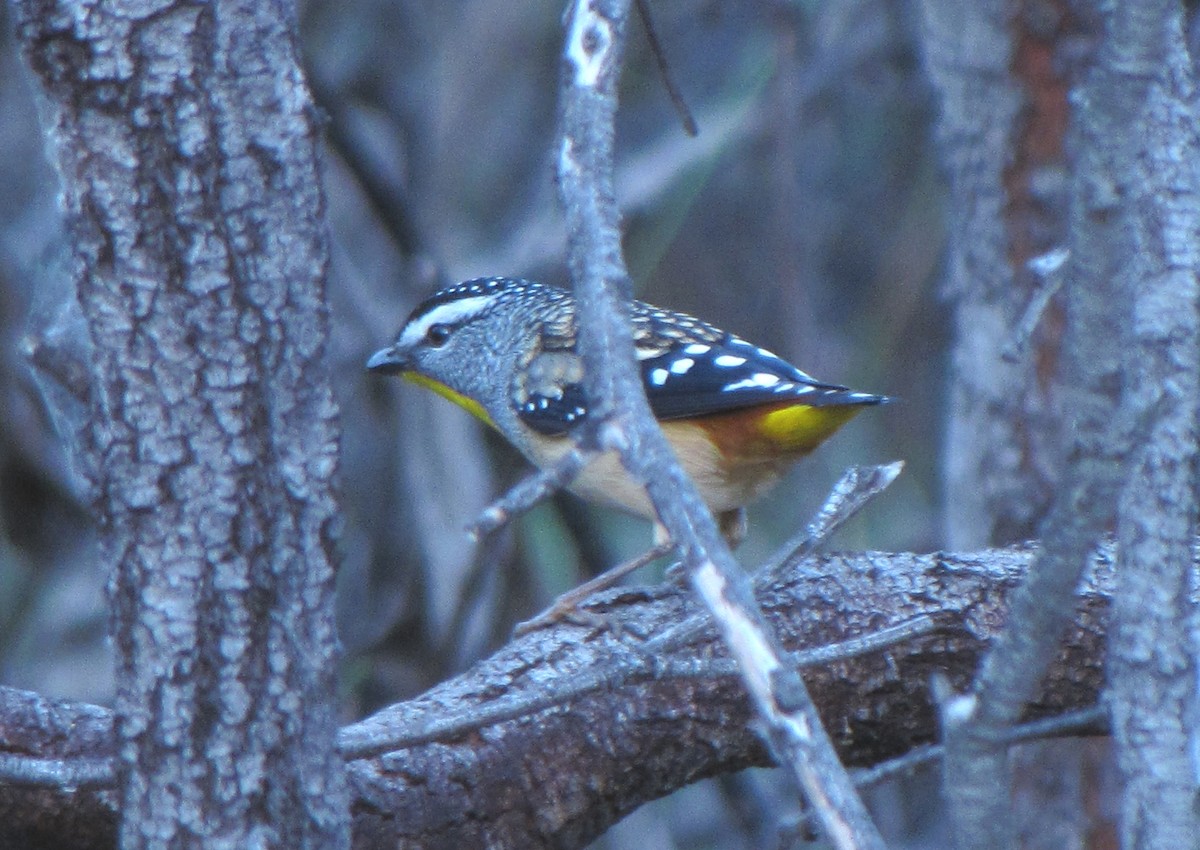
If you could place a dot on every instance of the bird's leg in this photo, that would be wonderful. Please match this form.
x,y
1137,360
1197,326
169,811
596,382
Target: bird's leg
x,y
566,607
731,524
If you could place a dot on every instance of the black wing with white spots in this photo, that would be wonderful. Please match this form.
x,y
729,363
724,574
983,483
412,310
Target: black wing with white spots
x,y
699,378
548,390
554,415
689,368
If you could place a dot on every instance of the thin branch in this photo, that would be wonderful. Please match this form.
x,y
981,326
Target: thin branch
x,y
1088,721
903,765
63,773
595,43
566,607
528,492
857,487
1049,269
850,494
622,669
385,196
660,58
863,644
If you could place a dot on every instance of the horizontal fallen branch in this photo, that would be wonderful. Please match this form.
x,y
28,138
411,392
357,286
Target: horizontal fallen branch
x,y
561,732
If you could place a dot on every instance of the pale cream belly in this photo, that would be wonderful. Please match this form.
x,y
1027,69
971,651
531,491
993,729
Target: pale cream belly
x,y
606,481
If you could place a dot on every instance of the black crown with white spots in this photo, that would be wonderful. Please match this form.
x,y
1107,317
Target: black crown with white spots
x,y
500,290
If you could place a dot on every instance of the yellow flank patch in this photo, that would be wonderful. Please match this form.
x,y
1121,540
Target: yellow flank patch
x,y
470,405
801,428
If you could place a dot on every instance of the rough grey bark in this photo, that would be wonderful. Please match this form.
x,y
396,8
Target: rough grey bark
x,y
1129,399
187,149
611,727
1088,461
1002,73
968,52
1139,112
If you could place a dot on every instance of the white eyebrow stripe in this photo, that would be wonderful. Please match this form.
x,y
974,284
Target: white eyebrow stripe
x,y
444,314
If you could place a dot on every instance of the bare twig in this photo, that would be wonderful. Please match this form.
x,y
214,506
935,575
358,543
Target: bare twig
x,y
911,761
660,58
862,644
595,42
570,601
974,723
539,485
852,492
626,668
820,655
1088,721
65,773
386,196
1049,269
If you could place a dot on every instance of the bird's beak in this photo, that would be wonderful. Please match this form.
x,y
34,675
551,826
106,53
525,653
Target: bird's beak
x,y
388,361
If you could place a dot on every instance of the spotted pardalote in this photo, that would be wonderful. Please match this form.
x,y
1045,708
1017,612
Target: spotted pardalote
x,y
736,415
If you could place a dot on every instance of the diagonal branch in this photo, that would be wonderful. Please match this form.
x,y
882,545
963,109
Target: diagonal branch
x,y
595,41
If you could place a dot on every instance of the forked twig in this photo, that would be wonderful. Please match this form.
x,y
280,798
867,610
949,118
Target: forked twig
x,y
528,492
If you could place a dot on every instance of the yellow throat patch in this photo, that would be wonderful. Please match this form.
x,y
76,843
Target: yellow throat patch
x,y
470,405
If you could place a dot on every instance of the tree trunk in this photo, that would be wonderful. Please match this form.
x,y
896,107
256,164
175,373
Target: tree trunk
x,y
187,148
1002,75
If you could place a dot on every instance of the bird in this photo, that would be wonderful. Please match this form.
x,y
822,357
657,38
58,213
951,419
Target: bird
x,y
736,415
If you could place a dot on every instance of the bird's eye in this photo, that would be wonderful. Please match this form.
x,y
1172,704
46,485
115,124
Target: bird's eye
x,y
437,335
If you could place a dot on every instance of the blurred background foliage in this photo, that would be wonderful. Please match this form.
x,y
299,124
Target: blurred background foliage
x,y
805,216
